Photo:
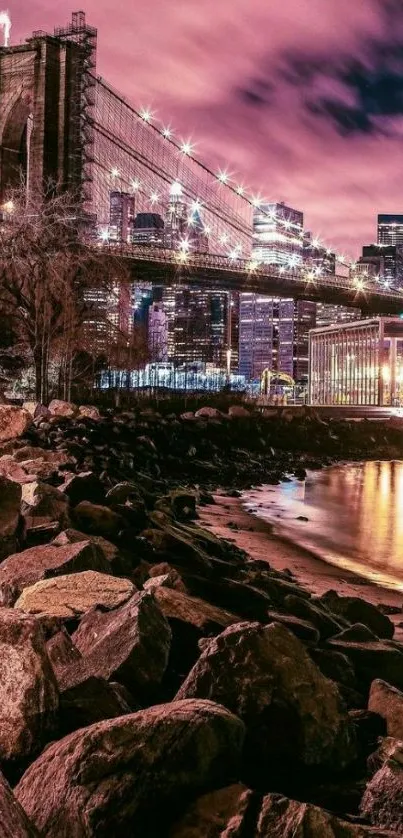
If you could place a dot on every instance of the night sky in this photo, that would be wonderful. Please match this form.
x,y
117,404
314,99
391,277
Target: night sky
x,y
301,100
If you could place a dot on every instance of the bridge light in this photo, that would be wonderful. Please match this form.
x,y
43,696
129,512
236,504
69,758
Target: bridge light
x,y
281,269
315,243
8,206
240,190
359,284
184,245
186,147
104,235
146,114
253,265
256,201
135,184
154,197
233,255
195,206
115,172
310,276
223,177
167,132
206,230
224,238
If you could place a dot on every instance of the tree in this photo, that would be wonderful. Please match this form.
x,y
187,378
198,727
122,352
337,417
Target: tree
x,y
52,281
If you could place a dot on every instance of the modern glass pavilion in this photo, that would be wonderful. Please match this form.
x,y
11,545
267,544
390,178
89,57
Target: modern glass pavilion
x,y
357,363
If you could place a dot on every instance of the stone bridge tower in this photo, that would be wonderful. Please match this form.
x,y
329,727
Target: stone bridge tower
x,y
47,95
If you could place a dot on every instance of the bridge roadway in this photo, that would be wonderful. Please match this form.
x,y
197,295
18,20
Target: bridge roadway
x,y
162,266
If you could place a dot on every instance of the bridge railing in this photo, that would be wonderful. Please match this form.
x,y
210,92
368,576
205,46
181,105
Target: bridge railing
x,y
167,256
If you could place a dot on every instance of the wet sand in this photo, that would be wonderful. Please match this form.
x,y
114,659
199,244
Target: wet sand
x,y
257,538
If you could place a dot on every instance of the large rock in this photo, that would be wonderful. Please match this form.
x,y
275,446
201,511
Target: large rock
x,y
10,502
294,716
36,410
382,802
126,776
387,701
14,422
41,501
208,413
13,820
220,814
357,610
177,605
89,411
58,407
83,486
73,595
237,812
89,701
109,550
280,817
238,411
372,659
29,695
129,645
98,520
21,570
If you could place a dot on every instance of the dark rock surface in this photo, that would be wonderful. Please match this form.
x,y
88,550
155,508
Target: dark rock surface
x,y
128,774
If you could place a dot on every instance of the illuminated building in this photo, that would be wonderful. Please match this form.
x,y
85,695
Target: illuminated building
x,y
148,228
175,217
359,363
278,235
157,333
328,314
390,229
383,262
121,216
200,323
273,332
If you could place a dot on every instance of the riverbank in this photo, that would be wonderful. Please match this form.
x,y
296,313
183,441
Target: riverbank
x,y
162,681
228,518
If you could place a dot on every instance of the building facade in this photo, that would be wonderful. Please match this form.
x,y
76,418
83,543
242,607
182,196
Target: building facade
x,y
390,229
358,363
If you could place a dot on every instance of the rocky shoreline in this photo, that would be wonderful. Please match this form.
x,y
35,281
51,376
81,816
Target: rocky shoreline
x,y
156,680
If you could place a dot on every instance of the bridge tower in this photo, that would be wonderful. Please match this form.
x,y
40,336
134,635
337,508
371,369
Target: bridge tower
x,y
47,95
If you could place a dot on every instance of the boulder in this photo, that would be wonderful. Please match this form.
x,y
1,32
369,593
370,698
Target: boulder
x,y
89,701
376,659
208,413
42,501
382,802
302,629
89,411
126,776
62,652
109,550
84,486
13,820
129,645
58,407
237,812
10,502
14,422
29,696
356,633
176,605
317,616
238,411
293,715
21,570
280,817
387,701
36,410
220,814
74,594
98,520
357,610
166,580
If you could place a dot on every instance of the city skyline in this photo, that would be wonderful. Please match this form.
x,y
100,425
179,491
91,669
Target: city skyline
x,y
312,109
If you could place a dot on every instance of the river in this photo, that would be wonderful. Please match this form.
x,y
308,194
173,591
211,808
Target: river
x,y
348,515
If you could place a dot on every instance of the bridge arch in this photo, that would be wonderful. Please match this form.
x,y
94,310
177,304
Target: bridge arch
x,y
14,140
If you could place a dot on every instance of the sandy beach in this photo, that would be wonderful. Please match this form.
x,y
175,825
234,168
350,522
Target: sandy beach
x,y
228,519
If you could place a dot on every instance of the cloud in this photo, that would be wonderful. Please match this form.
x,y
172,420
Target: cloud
x,y
301,100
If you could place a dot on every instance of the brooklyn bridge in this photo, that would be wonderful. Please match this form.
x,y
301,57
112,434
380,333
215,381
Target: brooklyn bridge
x,y
61,122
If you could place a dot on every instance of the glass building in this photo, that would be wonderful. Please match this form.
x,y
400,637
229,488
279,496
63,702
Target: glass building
x,y
390,229
358,363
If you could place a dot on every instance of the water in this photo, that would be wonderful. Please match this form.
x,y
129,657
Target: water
x,y
355,517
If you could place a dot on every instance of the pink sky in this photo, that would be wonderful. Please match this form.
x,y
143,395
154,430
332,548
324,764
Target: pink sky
x,y
323,133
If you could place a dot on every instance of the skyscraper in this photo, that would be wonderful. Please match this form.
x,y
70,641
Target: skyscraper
x,y
121,216
148,228
390,229
273,333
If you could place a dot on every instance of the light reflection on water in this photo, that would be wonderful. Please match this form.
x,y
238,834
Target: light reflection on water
x,y
355,517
